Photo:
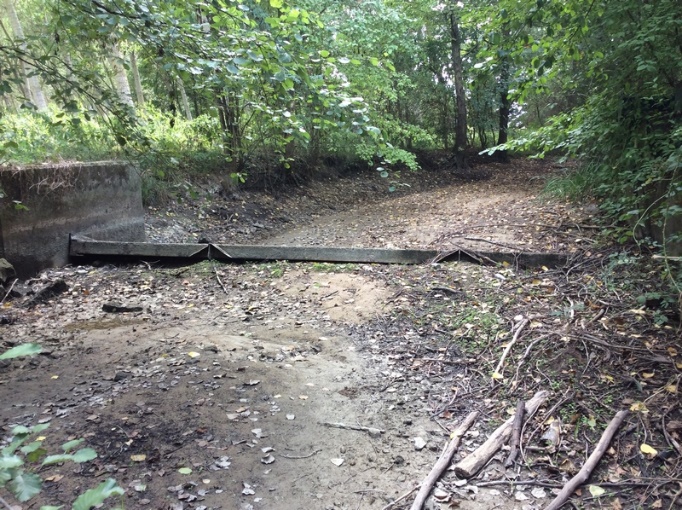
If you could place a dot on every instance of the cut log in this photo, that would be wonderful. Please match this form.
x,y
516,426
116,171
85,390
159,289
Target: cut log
x,y
472,463
443,461
590,464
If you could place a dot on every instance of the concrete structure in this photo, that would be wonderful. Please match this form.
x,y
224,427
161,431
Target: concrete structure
x,y
43,204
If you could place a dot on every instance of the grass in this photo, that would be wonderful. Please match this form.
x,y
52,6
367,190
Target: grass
x,y
575,185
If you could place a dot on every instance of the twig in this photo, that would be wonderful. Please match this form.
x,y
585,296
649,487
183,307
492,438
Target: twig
x,y
10,290
298,457
8,506
671,441
217,276
443,461
396,501
677,495
371,430
523,359
516,434
520,327
591,462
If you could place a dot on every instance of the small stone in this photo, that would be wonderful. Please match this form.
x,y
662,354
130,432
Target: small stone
x,y
374,433
419,443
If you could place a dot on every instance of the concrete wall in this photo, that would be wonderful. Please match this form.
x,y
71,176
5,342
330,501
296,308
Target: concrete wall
x,y
100,200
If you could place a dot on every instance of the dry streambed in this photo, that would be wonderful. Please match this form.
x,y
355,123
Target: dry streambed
x,y
336,386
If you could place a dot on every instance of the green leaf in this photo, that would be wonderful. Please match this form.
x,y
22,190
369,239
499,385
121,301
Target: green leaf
x,y
31,447
36,455
276,4
323,53
71,445
24,486
39,428
96,496
51,507
20,430
55,459
185,471
84,455
10,461
21,351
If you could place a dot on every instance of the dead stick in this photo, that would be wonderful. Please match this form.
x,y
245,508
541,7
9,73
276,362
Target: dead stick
x,y
516,433
522,325
590,464
396,501
352,427
443,461
472,463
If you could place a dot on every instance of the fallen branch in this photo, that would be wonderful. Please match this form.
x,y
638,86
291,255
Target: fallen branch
x,y
220,282
522,325
443,461
515,380
396,501
515,434
10,290
297,457
590,464
472,463
372,431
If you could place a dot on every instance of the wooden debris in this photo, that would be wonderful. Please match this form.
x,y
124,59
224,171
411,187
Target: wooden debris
x,y
443,461
396,501
373,432
590,464
472,463
516,433
519,328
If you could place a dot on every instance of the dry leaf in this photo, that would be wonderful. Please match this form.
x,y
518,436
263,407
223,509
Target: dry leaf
x,y
647,450
639,407
193,354
596,491
138,458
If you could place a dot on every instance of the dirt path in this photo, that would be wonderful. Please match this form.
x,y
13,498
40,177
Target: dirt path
x,y
216,394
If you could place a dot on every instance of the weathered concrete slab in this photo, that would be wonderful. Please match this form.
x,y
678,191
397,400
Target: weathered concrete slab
x,y
229,253
81,246
101,200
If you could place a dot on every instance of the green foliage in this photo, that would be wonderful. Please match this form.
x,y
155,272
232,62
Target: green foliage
x,y
21,350
23,483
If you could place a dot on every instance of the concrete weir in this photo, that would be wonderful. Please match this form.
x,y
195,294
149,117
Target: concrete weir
x,y
43,204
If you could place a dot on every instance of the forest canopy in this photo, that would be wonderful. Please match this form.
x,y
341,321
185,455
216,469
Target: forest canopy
x,y
238,87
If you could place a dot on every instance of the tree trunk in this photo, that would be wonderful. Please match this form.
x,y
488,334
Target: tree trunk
x,y
120,76
458,76
505,102
35,91
137,83
229,120
183,99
